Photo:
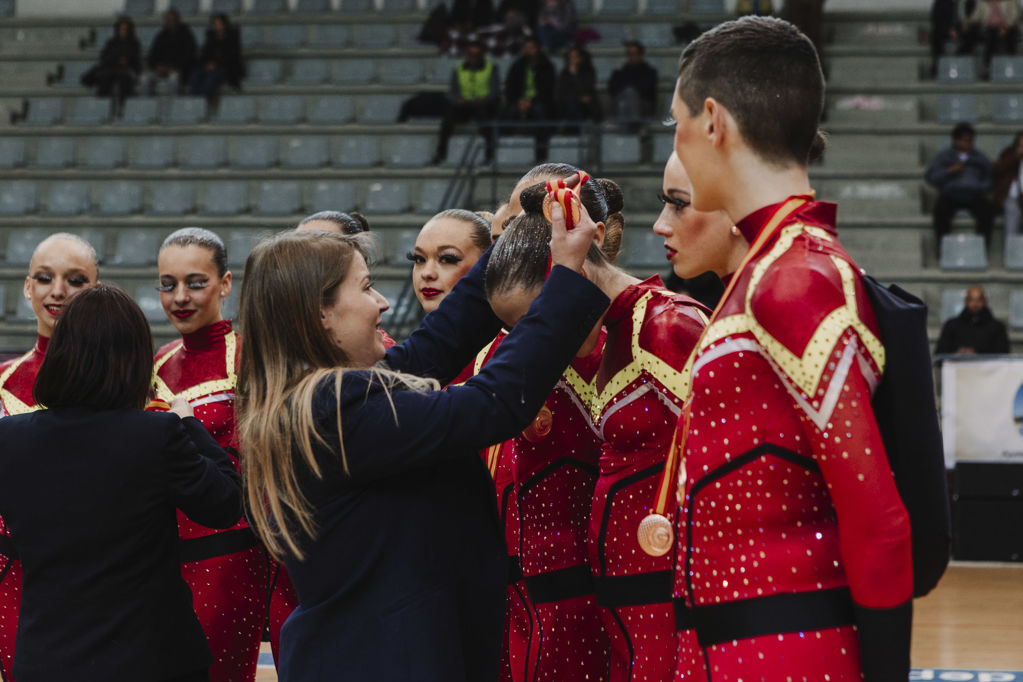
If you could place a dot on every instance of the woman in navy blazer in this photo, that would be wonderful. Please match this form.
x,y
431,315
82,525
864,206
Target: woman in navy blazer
x,y
89,489
367,480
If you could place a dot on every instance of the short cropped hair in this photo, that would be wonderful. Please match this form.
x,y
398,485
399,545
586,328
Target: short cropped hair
x,y
203,238
767,74
100,356
962,130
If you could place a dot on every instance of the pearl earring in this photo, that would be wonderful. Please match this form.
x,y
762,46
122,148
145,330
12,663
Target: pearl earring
x,y
735,230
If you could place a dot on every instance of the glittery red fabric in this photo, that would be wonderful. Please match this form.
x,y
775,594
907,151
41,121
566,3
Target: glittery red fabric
x,y
638,406
785,487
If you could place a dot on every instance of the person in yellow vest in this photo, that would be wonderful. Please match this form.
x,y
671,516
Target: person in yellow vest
x,y
473,95
529,93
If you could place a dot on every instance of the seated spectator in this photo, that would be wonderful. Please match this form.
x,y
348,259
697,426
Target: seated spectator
x,y
473,95
171,55
633,86
220,60
529,92
120,63
962,176
1008,192
468,15
945,26
754,7
996,22
576,91
556,24
975,330
526,9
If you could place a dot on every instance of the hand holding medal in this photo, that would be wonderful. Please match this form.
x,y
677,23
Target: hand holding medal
x,y
572,230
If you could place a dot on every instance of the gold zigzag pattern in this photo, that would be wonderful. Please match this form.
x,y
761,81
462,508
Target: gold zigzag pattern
x,y
12,403
163,391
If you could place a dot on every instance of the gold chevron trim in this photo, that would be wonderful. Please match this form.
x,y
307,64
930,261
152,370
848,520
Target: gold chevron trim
x,y
163,391
12,403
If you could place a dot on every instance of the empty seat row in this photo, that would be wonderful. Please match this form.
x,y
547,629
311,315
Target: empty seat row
x,y
964,69
1004,108
137,8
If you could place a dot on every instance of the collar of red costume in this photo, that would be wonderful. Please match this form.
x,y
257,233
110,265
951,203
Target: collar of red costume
x,y
42,343
819,212
206,337
622,306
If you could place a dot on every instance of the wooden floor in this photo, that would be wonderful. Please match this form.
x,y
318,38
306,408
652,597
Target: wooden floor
x,y
972,621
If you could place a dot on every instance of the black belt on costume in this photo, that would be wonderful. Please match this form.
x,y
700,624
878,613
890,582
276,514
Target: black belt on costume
x,y
774,615
565,583
514,570
7,547
614,591
218,544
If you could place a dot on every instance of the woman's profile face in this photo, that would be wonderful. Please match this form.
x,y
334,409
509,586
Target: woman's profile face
x,y
443,253
191,290
60,268
353,317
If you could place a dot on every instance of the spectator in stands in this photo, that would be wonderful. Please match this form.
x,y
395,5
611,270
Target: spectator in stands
x,y
576,90
529,92
962,176
519,10
120,63
1008,189
945,26
171,55
807,15
633,86
220,60
996,22
975,330
473,95
335,221
556,24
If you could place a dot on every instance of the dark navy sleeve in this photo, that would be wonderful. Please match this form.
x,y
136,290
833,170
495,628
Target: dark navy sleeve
x,y
450,336
204,482
385,434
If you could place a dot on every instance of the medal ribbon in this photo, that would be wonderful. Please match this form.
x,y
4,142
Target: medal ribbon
x,y
559,191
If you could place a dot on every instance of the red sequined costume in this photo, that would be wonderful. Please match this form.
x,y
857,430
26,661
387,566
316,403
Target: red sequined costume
x,y
226,570
637,401
788,503
555,463
17,377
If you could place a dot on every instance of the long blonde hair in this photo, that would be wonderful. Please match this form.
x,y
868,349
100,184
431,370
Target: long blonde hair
x,y
286,354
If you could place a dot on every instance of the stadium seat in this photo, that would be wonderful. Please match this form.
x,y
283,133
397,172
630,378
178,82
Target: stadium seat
x,y
187,8
1014,252
103,152
309,72
408,151
269,6
67,198
405,241
405,71
139,8
278,198
264,72
312,6
439,69
71,72
356,5
431,195
229,309
7,8
621,7
604,66
611,35
332,195
373,36
583,6
140,111
957,70
55,152
240,244
706,6
952,303
1007,108
253,152
956,108
235,110
172,198
145,34
283,37
1016,309
399,6
148,299
357,71
202,152
1007,69
89,111
185,111
17,197
3,301
654,35
281,109
963,252
643,249
456,149
119,198
23,310
387,197
228,7
331,110
151,153
225,197
330,36
355,151
663,7
664,145
621,149
379,108
304,152
22,243
12,152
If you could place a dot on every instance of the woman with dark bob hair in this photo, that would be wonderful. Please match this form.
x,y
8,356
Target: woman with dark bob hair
x,y
366,478
89,488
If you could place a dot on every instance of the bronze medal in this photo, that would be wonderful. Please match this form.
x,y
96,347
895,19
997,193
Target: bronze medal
x,y
570,220
656,535
541,426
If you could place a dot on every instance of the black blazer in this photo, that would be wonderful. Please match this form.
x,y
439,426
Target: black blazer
x,y
90,498
405,581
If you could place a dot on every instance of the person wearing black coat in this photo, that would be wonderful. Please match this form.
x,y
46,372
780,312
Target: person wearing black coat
x,y
220,59
975,330
529,92
633,86
172,52
577,96
120,63
89,490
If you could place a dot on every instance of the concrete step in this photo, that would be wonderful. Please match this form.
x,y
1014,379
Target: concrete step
x,y
869,153
872,109
872,71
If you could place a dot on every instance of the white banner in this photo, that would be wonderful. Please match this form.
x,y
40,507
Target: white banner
x,y
982,409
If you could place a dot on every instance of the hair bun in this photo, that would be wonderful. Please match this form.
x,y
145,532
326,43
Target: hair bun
x,y
612,194
817,147
361,219
532,198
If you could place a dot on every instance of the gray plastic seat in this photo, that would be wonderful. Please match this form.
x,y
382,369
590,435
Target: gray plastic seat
x,y
1007,69
71,72
664,145
952,303
12,152
67,198
373,36
103,152
137,246
139,8
17,197
706,6
387,197
379,108
281,109
430,196
22,243
331,110
643,249
1014,252
408,151
278,198
152,153
621,149
957,70
55,152
404,71
570,149
89,111
140,111
235,110
330,36
185,111
332,195
356,5
404,242
253,152
225,197
172,198
355,151
357,71
240,244
663,7
44,111
284,37
516,153
1007,108
439,70
229,7
304,152
956,108
264,72
312,6
119,198
205,151
456,150
7,8
269,6
963,252
1016,309
187,8
399,6
309,72
611,35
654,35
3,301
148,299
